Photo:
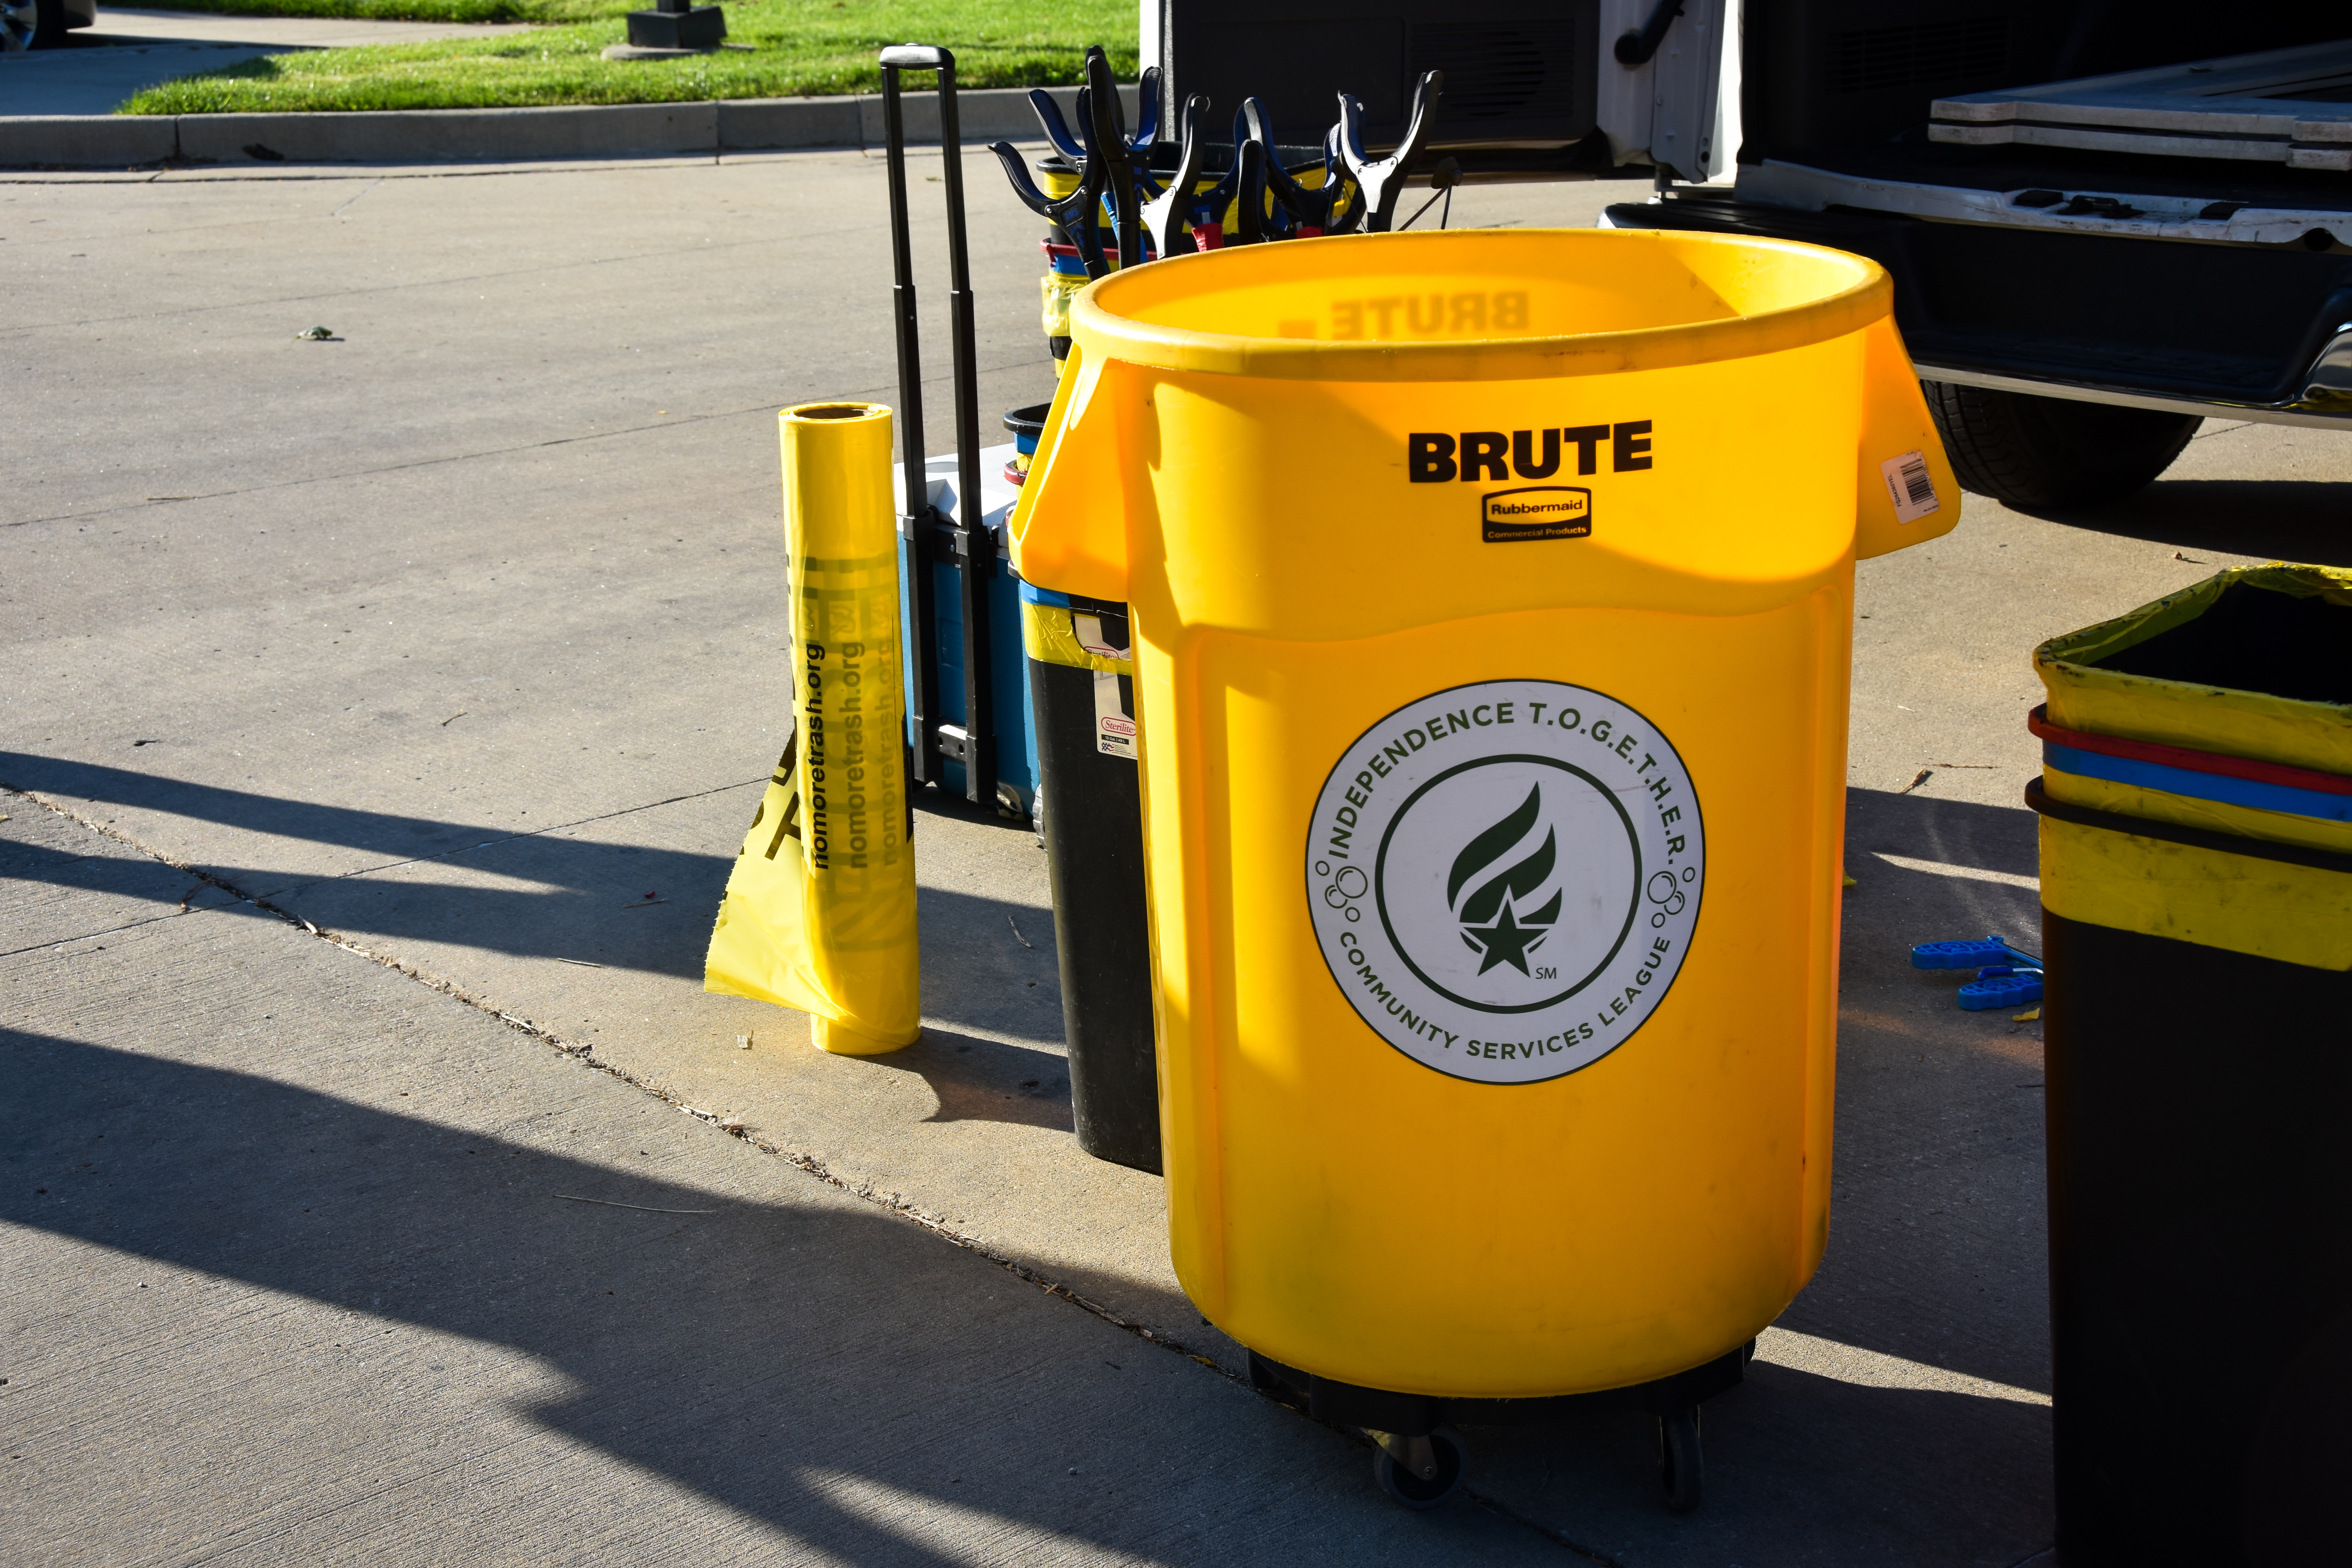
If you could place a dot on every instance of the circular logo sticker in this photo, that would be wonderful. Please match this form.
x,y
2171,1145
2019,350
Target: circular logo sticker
x,y
1504,878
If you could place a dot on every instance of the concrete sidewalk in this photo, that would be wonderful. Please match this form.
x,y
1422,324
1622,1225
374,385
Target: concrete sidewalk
x,y
419,657
130,51
708,127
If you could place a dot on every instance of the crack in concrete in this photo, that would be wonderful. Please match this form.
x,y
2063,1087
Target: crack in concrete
x,y
109,931
362,191
895,1204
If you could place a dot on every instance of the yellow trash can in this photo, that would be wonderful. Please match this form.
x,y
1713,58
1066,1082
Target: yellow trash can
x,y
1491,599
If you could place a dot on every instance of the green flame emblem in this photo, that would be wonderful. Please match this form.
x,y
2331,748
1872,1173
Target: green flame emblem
x,y
1492,923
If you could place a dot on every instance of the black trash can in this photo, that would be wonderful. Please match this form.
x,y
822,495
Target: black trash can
x,y
2196,922
1090,815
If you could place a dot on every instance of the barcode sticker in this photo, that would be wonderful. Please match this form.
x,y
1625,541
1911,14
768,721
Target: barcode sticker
x,y
1114,715
1910,487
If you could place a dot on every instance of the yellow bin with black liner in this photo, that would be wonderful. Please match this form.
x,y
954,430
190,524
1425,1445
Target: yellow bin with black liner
x,y
2196,822
1491,599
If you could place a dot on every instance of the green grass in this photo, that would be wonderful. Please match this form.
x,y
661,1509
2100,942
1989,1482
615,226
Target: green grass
x,y
541,11
796,47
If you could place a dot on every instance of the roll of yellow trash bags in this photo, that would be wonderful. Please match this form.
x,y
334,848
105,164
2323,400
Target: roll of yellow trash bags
x,y
820,909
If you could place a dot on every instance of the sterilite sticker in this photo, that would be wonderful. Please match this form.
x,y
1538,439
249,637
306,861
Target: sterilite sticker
x,y
1504,878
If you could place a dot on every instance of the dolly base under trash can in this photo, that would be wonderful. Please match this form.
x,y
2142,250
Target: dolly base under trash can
x,y
1418,1463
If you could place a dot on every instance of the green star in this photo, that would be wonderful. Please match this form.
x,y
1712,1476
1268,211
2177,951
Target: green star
x,y
1505,941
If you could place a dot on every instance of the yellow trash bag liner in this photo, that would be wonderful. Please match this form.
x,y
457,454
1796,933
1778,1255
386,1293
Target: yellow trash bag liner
x,y
820,909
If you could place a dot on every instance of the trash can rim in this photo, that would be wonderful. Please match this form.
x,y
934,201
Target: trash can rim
x,y
2259,725
1100,330
2038,799
833,411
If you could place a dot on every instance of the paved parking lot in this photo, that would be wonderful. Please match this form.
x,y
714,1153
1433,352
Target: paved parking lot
x,y
383,715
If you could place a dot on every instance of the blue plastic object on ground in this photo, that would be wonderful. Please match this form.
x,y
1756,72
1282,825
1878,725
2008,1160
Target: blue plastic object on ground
x,y
1969,954
2005,976
2002,987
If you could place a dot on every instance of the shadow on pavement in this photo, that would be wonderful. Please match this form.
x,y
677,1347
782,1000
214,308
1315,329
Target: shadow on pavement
x,y
977,1080
774,1356
850,1380
2282,519
554,894
1800,1468
1937,1248
1951,832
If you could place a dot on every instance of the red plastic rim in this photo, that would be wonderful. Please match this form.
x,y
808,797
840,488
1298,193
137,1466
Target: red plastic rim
x,y
2194,761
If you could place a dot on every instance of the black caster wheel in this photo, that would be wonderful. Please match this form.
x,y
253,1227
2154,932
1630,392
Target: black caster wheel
x,y
1407,1489
1264,1378
1682,1464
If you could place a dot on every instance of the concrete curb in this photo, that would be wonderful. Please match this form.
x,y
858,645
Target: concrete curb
x,y
509,135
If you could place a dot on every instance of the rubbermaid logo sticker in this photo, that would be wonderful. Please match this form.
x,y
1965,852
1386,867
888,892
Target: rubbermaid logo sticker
x,y
1536,511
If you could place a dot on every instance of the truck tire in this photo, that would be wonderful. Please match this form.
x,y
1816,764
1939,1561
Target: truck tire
x,y
2036,453
31,25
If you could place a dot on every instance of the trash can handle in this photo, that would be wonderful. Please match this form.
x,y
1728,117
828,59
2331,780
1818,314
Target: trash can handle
x,y
1905,491
1067,530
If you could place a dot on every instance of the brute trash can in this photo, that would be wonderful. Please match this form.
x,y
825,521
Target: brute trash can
x,y
1491,605
2196,801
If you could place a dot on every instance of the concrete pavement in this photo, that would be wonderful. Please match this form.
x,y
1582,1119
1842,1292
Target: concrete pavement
x,y
312,1263
455,638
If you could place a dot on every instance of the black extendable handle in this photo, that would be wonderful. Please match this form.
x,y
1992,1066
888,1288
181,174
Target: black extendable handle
x,y
917,519
902,288
978,547
972,546
960,305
